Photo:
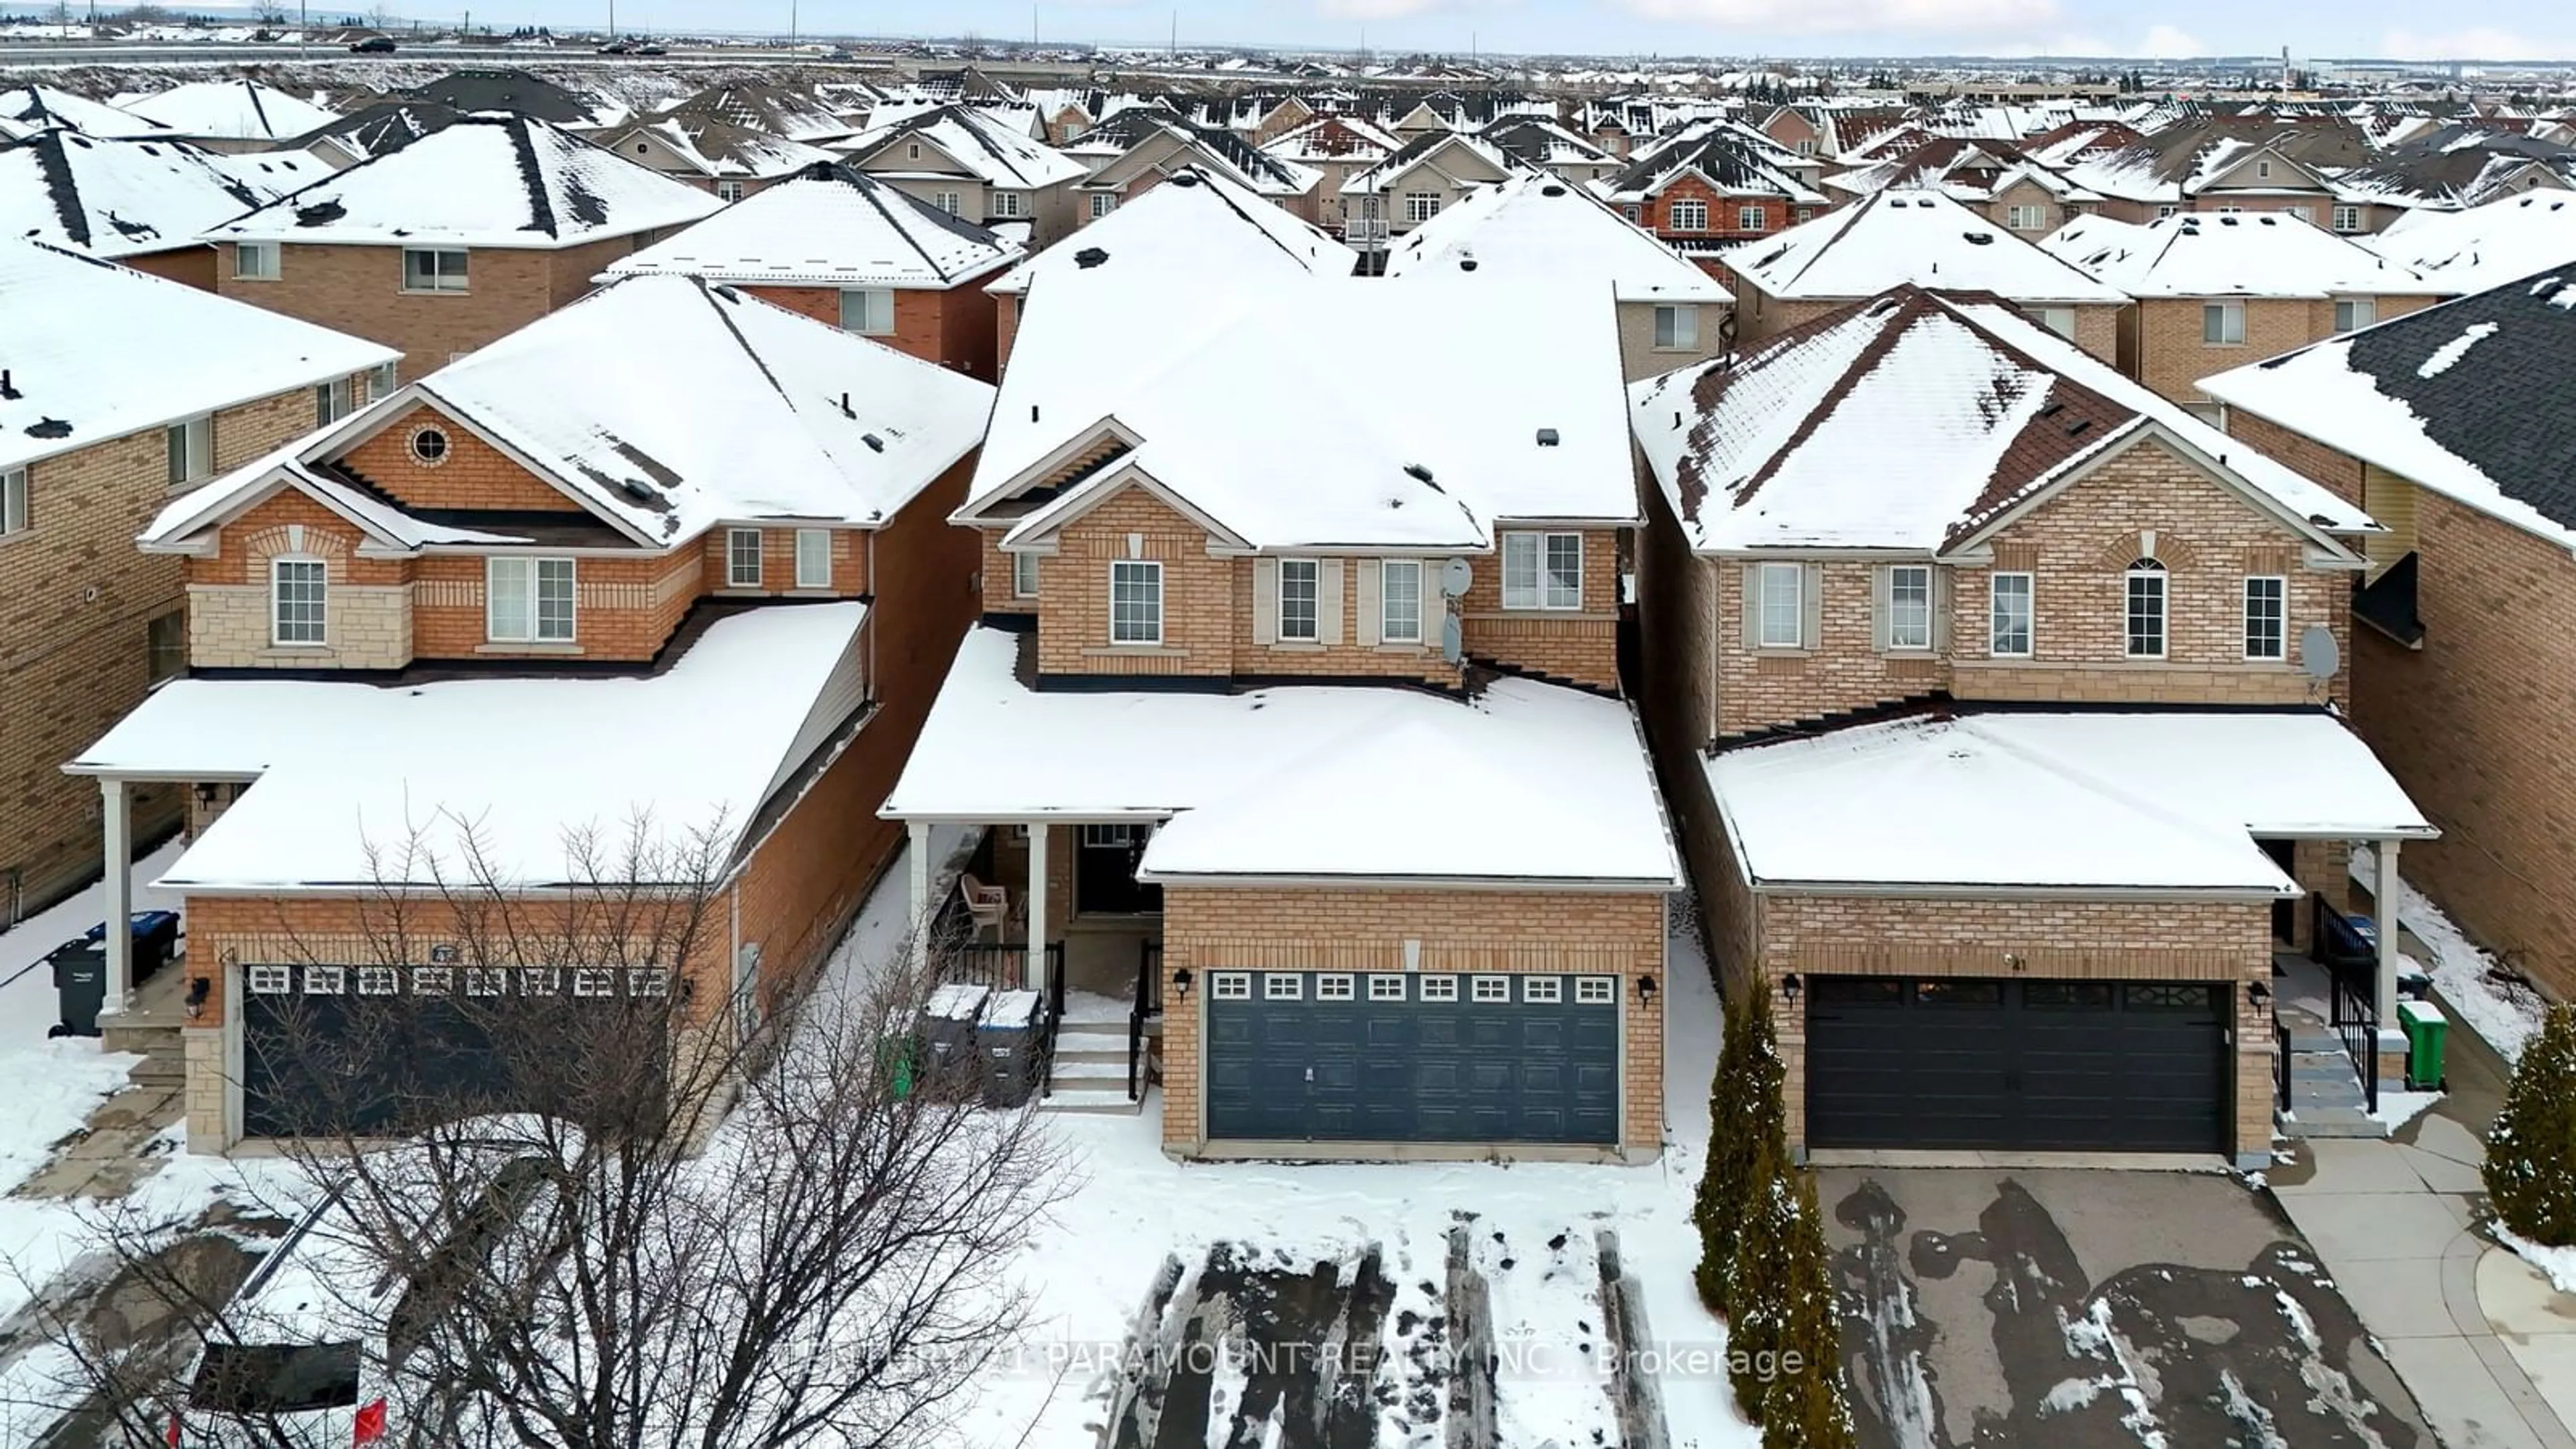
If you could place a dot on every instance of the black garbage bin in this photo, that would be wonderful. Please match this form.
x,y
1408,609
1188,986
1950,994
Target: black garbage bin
x,y
1008,1040
80,985
948,1036
154,933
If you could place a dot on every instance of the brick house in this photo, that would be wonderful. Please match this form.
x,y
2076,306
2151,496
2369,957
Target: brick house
x,y
2211,291
1336,147
1993,177
538,593
1432,170
461,237
1542,143
117,392
2000,700
1313,754
2451,426
1913,237
1714,184
1137,149
1198,230
140,203
1535,230
967,164
842,247
2229,165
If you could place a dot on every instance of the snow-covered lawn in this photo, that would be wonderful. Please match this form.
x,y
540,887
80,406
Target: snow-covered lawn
x,y
2499,1007
1091,1264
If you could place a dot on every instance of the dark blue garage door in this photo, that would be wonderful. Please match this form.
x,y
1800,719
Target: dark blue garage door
x,y
1321,1056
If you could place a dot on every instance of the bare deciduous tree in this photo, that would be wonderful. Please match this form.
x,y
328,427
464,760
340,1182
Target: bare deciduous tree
x,y
658,1210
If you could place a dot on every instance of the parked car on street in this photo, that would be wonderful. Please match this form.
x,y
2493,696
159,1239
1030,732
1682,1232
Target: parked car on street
x,y
374,45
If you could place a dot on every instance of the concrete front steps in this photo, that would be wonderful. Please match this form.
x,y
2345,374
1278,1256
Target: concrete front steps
x,y
1091,1071
2325,1093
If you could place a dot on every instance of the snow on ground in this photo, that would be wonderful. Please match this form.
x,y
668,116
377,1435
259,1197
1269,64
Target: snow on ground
x,y
2502,1009
27,1004
2559,1264
2398,1107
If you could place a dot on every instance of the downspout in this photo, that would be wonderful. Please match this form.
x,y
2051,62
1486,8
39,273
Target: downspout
x,y
869,626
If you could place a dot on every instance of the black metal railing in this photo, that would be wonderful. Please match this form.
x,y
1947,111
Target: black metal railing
x,y
2355,1012
1148,1006
1005,967
1054,1015
2280,1062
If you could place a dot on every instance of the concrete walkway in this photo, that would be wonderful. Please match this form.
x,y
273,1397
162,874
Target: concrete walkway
x,y
2484,1343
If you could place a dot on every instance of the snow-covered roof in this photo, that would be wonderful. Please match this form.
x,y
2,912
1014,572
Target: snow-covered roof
x,y
1526,782
95,351
524,762
2468,399
1429,150
1295,414
117,198
1908,235
712,145
2249,254
1730,157
1533,226
485,181
2484,246
997,155
29,110
231,110
831,225
2159,801
1333,138
668,405
1909,422
777,110
1195,227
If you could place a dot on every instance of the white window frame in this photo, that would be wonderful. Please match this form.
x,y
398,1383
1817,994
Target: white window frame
x,y
2060,320
868,311
432,980
1008,205
1998,624
267,980
1440,988
1024,575
1542,990
486,981
952,202
1336,986
1596,990
648,981
2262,170
1750,217
1420,206
1147,575
1676,328
2344,219
271,263
2132,595
735,577
1230,985
1283,986
594,981
1904,634
1491,989
1532,576
379,981
728,191
1296,574
2227,319
326,980
382,381
1687,214
1393,626
2354,313
277,631
16,501
2277,586
438,277
1386,986
813,558
1103,203
1766,635
2022,216
540,981
527,581
192,450
334,400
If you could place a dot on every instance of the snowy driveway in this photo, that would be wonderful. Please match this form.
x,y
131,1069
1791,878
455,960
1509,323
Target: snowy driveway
x,y
2076,1309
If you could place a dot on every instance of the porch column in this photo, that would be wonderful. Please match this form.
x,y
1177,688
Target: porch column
x,y
119,879
2385,888
1036,934
916,853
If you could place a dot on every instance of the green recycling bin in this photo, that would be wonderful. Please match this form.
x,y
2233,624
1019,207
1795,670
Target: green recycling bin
x,y
2425,1029
899,1054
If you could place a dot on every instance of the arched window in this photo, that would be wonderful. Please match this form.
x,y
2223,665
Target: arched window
x,y
2146,609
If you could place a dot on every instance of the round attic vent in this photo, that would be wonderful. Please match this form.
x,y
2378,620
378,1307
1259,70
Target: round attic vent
x,y
429,445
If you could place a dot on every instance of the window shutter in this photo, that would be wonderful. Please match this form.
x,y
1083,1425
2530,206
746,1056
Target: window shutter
x,y
1328,601
1752,576
1882,608
1265,601
1372,601
1941,611
1811,623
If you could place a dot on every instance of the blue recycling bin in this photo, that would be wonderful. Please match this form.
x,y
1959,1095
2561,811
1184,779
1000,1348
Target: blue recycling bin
x,y
155,933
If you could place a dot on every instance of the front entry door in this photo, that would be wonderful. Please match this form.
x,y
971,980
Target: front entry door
x,y
1104,872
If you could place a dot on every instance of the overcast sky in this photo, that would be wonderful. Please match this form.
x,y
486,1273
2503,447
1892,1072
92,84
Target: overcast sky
x,y
2409,29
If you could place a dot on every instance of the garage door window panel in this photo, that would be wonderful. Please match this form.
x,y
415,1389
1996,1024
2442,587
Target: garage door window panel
x,y
1386,988
1439,988
1233,986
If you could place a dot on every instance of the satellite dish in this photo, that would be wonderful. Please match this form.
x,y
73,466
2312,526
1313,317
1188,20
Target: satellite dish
x,y
2318,654
1453,647
1455,575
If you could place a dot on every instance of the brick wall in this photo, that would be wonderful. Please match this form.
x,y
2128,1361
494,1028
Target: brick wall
x,y
954,328
2173,358
1581,644
472,473
1200,623
191,265
76,602
2215,941
625,609
1209,928
2338,473
778,565
1725,212
1006,329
